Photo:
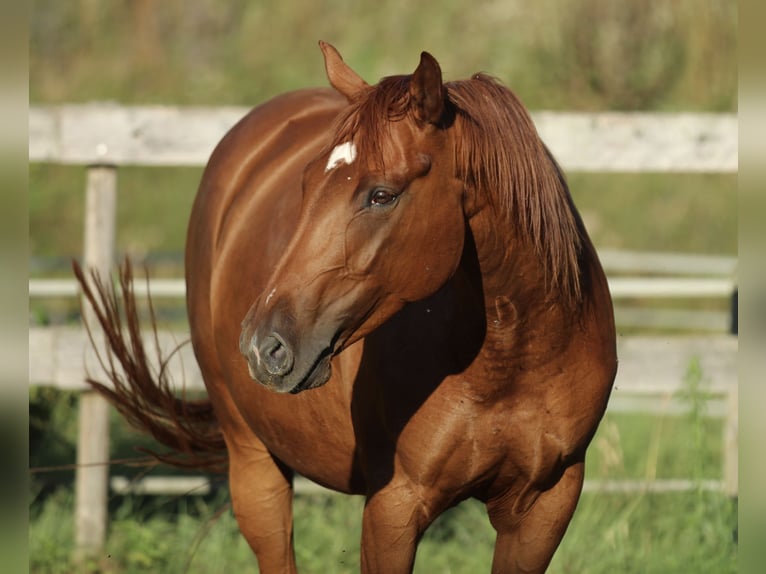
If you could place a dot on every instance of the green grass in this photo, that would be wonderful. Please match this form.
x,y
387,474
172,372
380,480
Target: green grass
x,y
610,533
153,209
687,213
662,533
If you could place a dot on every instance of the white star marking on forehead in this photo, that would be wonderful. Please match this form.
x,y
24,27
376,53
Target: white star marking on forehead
x,y
343,153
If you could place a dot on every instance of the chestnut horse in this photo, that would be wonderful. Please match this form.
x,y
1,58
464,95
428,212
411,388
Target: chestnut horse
x,y
391,293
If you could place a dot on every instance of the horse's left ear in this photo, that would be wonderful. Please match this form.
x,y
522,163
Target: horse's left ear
x,y
341,76
427,93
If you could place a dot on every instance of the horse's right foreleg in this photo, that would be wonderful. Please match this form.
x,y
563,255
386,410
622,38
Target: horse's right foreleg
x,y
262,496
261,489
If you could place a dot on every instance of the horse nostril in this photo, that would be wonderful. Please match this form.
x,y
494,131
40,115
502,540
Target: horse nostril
x,y
275,355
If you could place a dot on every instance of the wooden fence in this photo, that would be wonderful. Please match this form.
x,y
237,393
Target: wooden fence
x,y
104,137
652,375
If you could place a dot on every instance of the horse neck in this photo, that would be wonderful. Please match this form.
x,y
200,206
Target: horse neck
x,y
523,315
508,263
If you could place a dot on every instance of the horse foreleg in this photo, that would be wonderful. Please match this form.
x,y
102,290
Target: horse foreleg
x,y
262,496
526,542
393,522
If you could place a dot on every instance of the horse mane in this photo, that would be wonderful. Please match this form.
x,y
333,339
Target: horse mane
x,y
498,152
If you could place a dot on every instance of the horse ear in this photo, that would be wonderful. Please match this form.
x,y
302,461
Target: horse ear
x,y
342,78
427,92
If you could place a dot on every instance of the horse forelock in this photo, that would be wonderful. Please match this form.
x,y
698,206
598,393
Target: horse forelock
x,y
366,120
498,152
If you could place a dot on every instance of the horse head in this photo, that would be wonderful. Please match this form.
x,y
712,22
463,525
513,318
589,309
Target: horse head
x,y
382,224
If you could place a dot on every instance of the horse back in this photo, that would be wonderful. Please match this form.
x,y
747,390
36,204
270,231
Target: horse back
x,y
249,194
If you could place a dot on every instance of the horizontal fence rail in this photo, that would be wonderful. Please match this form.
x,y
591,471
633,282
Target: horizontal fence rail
x,y
620,287
201,485
653,276
666,263
648,365
108,134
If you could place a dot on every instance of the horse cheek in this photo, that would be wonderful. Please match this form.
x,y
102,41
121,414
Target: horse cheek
x,y
361,248
433,258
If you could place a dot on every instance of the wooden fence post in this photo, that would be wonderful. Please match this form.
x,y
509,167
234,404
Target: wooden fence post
x,y
92,476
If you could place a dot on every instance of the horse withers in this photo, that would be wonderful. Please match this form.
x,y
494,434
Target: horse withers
x,y
391,293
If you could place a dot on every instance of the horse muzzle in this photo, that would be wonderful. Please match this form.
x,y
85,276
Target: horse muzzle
x,y
274,363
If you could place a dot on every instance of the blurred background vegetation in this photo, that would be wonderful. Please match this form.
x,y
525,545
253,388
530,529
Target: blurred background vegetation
x,y
586,55
576,55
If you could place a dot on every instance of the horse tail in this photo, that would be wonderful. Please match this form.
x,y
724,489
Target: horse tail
x,y
141,393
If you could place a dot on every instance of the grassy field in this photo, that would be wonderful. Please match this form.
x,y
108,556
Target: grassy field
x,y
611,533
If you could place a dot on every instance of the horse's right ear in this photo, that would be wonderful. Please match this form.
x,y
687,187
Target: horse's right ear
x,y
342,78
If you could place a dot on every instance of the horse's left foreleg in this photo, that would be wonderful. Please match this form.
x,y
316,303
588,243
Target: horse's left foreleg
x,y
527,540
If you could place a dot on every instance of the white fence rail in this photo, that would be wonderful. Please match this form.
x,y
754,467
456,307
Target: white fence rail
x,y
620,287
107,136
649,365
201,485
170,136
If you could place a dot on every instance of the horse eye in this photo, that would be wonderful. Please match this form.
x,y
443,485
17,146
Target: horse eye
x,y
380,196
